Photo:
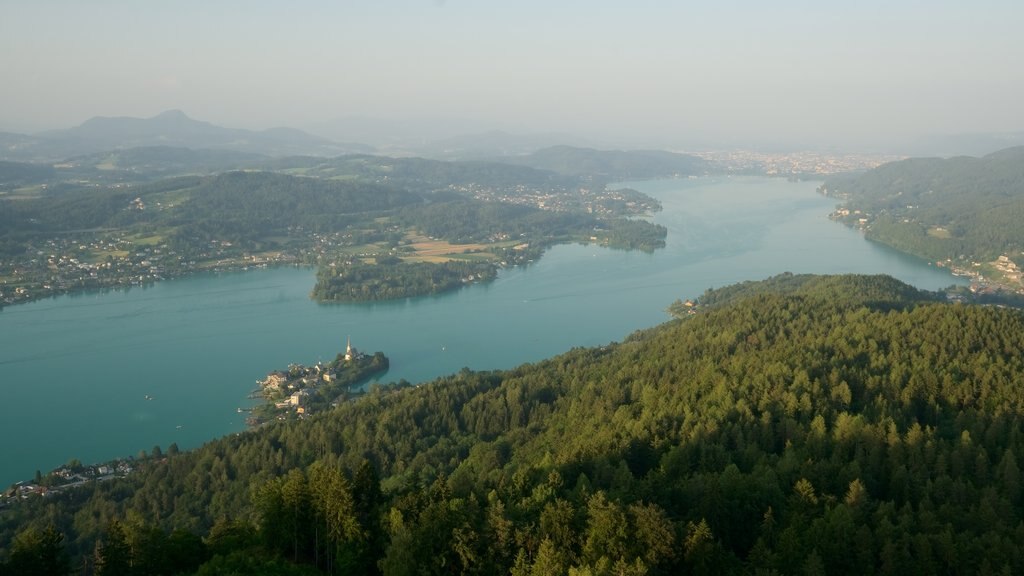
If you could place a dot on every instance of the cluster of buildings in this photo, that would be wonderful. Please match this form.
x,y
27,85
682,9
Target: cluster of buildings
x,y
1008,268
291,390
65,477
1000,275
61,265
795,163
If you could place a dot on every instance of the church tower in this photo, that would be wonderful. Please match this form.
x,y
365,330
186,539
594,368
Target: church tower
x,y
348,350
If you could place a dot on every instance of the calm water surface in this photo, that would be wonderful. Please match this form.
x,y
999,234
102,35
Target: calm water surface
x,y
75,371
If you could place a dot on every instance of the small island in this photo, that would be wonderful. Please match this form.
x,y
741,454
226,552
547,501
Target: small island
x,y
299,391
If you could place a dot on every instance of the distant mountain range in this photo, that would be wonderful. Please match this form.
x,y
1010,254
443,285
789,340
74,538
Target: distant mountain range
x,y
168,143
169,129
174,129
492,145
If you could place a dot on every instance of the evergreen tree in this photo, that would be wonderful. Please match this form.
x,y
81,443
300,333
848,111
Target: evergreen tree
x,y
113,553
38,552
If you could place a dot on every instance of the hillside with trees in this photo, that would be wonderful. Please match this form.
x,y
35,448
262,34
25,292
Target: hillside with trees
x,y
121,218
960,210
823,425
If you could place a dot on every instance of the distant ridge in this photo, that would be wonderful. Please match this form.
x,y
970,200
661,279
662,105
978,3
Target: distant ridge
x,y
171,128
621,164
494,144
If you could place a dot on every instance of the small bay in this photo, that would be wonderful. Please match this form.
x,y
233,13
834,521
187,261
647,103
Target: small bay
x,y
102,375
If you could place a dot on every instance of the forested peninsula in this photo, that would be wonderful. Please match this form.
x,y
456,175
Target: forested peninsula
x,y
815,425
374,227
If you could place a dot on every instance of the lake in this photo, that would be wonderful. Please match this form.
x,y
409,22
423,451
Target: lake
x,y
103,375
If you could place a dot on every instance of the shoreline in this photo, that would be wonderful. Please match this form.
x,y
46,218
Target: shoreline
x,y
437,343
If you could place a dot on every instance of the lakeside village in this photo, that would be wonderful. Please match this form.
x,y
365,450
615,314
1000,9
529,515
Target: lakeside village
x,y
289,394
72,475
98,261
998,281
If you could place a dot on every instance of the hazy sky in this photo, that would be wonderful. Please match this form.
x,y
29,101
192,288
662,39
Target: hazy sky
x,y
729,72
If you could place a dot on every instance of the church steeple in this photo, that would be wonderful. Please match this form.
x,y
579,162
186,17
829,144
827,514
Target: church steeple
x,y
348,350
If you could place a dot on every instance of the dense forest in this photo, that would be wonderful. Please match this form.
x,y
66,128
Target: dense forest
x,y
14,174
233,204
815,425
391,279
959,209
249,206
424,174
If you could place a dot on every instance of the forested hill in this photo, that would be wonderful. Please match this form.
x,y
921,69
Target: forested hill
x,y
878,292
238,204
614,164
423,174
804,428
959,208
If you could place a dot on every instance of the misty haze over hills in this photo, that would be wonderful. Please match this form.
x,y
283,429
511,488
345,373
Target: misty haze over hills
x,y
174,129
440,139
890,78
170,129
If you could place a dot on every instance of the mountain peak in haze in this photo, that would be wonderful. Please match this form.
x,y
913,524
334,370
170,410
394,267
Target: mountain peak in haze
x,y
174,114
174,117
174,128
170,127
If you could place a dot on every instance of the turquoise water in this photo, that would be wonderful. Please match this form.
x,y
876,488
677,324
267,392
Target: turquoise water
x,y
75,371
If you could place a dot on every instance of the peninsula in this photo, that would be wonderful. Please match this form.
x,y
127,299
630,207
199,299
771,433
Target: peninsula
x,y
300,391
